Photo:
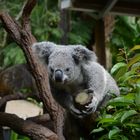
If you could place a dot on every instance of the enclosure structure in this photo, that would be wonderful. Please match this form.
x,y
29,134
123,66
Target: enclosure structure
x,y
99,9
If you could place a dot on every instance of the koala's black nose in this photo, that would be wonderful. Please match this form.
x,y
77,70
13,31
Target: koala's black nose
x,y
58,75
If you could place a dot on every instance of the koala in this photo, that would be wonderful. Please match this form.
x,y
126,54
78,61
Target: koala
x,y
74,68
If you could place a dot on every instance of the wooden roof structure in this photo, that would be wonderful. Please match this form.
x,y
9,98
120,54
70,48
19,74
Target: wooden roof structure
x,y
102,7
99,9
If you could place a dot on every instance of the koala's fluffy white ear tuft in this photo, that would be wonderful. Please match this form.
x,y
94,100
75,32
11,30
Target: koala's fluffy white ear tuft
x,y
43,49
81,54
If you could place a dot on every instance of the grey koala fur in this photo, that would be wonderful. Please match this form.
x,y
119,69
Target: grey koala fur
x,y
73,68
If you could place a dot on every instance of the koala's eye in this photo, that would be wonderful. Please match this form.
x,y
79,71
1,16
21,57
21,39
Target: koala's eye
x,y
67,69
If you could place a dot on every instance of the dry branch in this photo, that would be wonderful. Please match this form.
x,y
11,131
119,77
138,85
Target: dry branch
x,y
21,34
27,128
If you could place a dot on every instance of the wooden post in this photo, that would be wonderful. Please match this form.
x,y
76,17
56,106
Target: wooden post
x,y
100,42
64,25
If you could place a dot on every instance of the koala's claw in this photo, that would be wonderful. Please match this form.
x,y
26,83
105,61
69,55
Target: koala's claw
x,y
92,106
88,108
93,103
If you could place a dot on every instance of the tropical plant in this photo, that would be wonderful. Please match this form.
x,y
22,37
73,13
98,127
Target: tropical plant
x,y
126,34
120,120
81,29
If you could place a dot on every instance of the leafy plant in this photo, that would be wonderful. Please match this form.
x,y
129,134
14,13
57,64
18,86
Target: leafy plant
x,y
81,30
15,136
12,54
125,34
120,120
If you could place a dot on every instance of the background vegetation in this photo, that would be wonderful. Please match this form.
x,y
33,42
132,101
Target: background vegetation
x,y
45,20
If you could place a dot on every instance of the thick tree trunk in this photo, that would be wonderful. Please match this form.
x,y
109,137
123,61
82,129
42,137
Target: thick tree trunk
x,y
22,35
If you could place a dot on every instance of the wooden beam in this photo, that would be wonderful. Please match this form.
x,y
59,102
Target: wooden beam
x,y
100,42
109,5
121,7
105,10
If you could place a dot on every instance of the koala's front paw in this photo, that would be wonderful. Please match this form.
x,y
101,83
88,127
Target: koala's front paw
x,y
86,101
92,106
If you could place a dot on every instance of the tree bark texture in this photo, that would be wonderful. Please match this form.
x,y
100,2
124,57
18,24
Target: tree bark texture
x,y
21,34
27,128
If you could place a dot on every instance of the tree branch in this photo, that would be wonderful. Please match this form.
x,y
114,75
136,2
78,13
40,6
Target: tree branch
x,y
23,37
11,26
27,128
40,119
26,14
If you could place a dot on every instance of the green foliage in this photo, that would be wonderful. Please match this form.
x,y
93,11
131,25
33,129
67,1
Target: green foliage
x,y
45,19
15,136
12,55
125,34
120,120
81,30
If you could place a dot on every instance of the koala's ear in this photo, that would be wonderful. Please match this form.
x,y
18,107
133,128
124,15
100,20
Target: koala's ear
x,y
82,54
43,49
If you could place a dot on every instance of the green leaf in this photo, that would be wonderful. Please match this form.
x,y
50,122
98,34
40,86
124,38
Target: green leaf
x,y
132,125
127,76
121,101
118,115
128,114
123,137
120,58
97,130
116,67
120,72
108,121
137,96
104,137
136,47
113,132
135,59
14,136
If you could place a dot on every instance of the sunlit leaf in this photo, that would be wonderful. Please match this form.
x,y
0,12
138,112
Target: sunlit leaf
x,y
113,132
108,121
118,115
133,60
120,73
13,136
128,114
116,67
121,101
97,130
137,47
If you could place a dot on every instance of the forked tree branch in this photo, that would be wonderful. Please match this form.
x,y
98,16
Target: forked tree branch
x,y
27,128
22,35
